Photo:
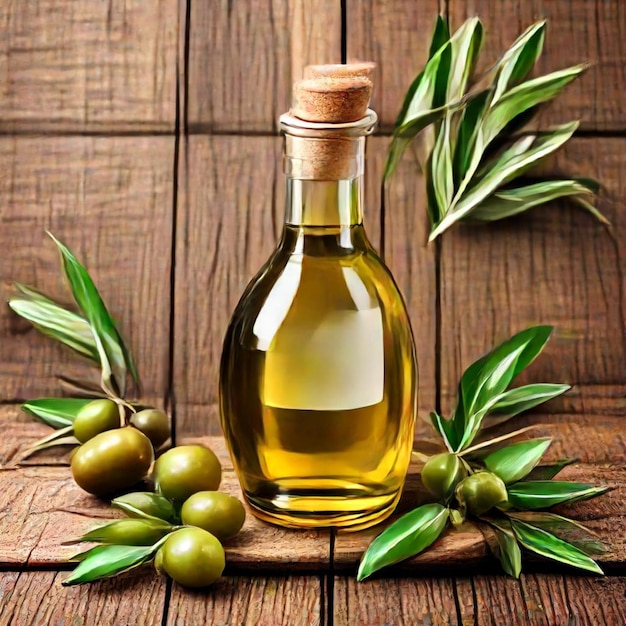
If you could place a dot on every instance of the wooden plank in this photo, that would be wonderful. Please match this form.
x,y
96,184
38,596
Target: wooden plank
x,y
265,601
466,547
398,601
578,31
136,598
109,199
88,66
41,507
229,217
552,266
244,57
395,35
541,600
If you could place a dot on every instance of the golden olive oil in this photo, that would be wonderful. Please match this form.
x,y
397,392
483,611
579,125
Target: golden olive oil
x,y
318,383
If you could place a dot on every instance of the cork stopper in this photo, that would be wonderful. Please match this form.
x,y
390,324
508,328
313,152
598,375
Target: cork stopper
x,y
329,95
332,100
362,69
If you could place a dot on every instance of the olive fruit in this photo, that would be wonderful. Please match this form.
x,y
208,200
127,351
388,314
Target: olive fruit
x,y
130,532
185,470
192,557
480,492
112,461
442,473
154,424
218,513
95,418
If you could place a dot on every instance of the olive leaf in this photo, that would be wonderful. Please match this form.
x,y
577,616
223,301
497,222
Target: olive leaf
x,y
550,470
485,381
464,121
115,358
81,388
146,505
128,532
109,560
56,412
515,461
509,553
407,536
548,545
543,494
55,321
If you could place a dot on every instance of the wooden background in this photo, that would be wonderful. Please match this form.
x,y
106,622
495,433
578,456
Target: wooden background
x,y
143,135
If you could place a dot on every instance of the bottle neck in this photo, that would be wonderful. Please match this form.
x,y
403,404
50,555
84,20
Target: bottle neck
x,y
324,181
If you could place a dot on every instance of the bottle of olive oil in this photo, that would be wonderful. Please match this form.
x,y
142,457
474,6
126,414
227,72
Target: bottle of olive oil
x,y
318,375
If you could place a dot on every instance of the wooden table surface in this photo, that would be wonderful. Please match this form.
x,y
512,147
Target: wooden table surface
x,y
143,135
278,576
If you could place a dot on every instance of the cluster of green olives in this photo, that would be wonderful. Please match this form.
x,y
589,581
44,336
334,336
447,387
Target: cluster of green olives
x,y
445,475
116,452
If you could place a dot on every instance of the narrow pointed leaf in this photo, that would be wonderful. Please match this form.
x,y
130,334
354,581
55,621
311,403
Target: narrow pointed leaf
x,y
550,470
406,537
114,356
443,427
81,388
548,545
514,201
513,462
543,494
56,412
465,47
130,532
441,34
567,529
510,555
147,505
109,560
58,323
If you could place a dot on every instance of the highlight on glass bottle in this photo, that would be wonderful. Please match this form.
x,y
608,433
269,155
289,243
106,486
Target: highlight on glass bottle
x,y
318,377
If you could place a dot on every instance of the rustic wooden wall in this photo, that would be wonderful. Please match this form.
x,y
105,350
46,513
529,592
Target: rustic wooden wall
x,y
143,134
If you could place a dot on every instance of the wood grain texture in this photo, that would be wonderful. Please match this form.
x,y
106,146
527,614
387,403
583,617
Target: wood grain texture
x,y
579,31
136,598
229,216
396,36
398,601
293,600
109,200
244,57
88,66
554,265
541,600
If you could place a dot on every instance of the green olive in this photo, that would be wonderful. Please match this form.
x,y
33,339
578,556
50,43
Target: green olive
x,y
480,492
185,470
216,512
112,461
158,562
130,532
95,418
442,473
154,424
192,557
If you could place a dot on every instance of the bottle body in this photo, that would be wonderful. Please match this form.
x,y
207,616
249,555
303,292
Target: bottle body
x,y
318,379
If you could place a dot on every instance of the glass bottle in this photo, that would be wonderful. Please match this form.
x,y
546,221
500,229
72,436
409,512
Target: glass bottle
x,y
318,376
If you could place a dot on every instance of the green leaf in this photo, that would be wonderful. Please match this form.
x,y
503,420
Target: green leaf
x,y
520,399
129,532
143,504
56,412
513,462
441,169
114,356
510,202
550,470
509,553
519,59
106,561
465,47
543,494
545,544
443,427
55,321
409,535
510,165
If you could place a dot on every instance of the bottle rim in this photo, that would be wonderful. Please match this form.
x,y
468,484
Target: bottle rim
x,y
300,128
